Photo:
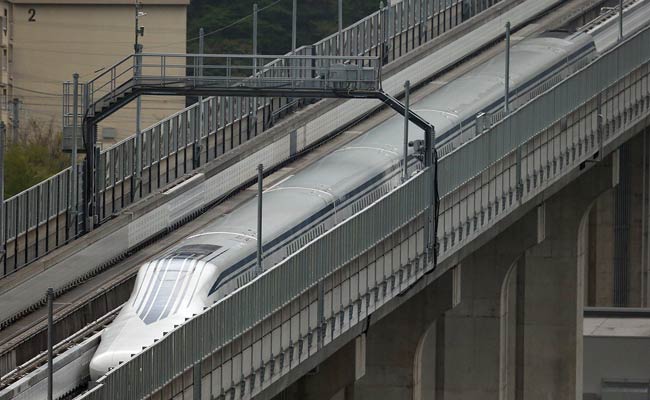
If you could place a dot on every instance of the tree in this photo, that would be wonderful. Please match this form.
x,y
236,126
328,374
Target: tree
x,y
34,158
317,19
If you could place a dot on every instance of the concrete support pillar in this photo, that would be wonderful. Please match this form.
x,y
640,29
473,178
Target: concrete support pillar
x,y
599,276
637,163
517,331
395,344
550,295
549,319
469,336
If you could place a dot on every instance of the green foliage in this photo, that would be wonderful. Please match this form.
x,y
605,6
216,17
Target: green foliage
x,y
33,159
316,20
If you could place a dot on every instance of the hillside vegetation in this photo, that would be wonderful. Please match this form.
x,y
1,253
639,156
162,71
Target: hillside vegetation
x,y
316,20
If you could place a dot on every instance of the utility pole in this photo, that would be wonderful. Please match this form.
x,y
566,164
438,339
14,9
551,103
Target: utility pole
x,y
506,105
50,343
340,27
294,16
407,88
137,47
620,20
260,176
15,112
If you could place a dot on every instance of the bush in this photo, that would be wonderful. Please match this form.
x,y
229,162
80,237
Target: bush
x,y
33,158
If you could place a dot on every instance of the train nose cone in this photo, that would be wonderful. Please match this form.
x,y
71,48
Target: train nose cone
x,y
100,363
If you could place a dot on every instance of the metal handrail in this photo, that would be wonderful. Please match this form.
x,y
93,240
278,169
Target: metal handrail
x,y
124,71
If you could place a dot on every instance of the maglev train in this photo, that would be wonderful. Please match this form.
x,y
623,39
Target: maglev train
x,y
214,262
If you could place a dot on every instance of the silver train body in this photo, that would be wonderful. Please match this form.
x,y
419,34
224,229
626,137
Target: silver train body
x,y
214,262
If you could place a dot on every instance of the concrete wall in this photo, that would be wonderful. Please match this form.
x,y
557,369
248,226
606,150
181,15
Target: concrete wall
x,y
517,333
617,358
49,42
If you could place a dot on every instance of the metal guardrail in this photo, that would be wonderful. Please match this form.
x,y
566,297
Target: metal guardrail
x,y
216,126
568,125
561,132
484,150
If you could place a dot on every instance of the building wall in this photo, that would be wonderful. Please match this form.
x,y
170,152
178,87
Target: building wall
x,y
48,41
614,358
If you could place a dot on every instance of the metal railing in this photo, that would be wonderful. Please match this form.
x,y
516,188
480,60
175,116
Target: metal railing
x,y
481,182
37,220
516,159
510,133
214,127
164,72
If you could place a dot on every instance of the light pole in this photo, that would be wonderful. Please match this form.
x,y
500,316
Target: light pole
x,y
137,47
254,113
506,103
294,15
50,343
620,20
340,27
260,190
407,89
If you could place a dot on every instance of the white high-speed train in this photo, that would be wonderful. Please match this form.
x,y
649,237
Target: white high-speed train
x,y
212,263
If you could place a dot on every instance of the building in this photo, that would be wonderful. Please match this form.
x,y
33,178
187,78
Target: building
x,y
43,42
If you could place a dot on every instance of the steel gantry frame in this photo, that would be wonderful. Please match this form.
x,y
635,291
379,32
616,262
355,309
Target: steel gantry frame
x,y
349,77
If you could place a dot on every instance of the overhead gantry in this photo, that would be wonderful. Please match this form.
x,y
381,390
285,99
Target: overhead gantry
x,y
163,74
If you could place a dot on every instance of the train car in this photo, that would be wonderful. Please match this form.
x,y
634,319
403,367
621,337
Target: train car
x,y
214,262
